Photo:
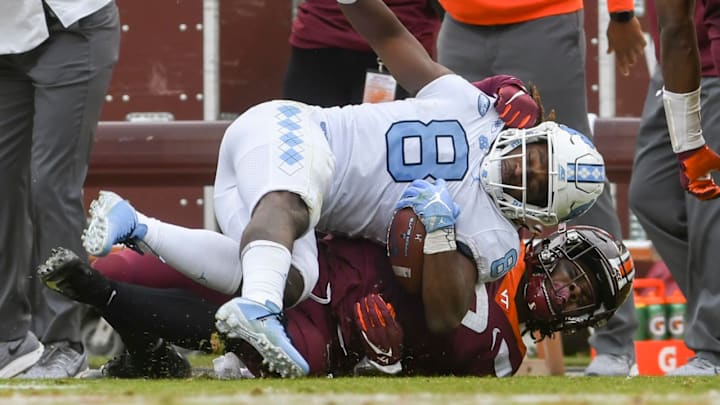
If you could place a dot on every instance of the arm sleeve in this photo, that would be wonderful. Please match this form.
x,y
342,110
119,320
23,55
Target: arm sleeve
x,y
620,5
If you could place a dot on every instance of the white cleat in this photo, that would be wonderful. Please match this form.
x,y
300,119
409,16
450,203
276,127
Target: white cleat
x,y
259,325
112,220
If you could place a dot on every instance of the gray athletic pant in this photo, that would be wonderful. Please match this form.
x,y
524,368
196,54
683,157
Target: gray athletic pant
x,y
684,230
549,53
50,102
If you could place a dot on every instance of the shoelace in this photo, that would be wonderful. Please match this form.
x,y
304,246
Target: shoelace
x,y
280,317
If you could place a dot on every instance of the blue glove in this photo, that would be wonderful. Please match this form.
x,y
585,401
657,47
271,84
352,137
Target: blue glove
x,y
431,202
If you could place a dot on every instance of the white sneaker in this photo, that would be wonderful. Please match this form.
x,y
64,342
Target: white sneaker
x,y
59,360
696,367
612,365
18,355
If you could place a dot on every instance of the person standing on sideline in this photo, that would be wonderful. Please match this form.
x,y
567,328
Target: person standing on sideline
x,y
681,224
56,60
543,43
329,60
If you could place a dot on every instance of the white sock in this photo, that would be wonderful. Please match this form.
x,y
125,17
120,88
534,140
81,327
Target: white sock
x,y
265,268
209,258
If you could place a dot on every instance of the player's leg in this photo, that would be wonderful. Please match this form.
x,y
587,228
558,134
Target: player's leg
x,y
205,256
147,319
656,195
72,70
15,228
282,178
130,267
701,285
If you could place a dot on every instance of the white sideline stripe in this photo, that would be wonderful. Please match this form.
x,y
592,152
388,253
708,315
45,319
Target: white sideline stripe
x,y
39,386
271,396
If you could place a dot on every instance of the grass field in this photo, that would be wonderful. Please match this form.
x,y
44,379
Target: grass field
x,y
366,391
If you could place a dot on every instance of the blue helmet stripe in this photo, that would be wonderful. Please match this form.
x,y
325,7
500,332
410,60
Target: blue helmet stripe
x,y
585,173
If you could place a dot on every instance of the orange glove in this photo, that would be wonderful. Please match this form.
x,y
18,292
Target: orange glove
x,y
516,107
695,168
381,334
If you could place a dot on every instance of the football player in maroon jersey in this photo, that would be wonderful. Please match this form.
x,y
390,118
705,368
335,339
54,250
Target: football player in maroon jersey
x,y
359,319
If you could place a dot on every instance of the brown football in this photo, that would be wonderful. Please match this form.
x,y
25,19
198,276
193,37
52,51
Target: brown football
x,y
405,240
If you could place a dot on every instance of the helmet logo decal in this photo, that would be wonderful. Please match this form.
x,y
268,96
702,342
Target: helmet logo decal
x,y
483,104
586,173
577,211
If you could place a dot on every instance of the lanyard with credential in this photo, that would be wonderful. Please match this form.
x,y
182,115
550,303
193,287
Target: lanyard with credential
x,y
379,85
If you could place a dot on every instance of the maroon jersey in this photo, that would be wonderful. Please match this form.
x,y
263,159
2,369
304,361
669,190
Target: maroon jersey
x,y
707,32
321,24
323,330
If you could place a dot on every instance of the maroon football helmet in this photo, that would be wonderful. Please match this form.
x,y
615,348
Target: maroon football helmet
x,y
578,277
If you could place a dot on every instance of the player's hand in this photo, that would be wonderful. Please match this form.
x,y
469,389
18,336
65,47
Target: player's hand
x,y
431,202
381,335
627,40
516,107
695,168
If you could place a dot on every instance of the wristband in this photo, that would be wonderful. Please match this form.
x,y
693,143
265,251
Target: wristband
x,y
620,16
442,240
682,111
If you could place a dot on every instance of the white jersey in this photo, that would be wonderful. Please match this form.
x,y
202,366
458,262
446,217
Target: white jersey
x,y
445,132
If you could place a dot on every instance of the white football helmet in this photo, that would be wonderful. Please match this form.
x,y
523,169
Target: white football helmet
x,y
576,173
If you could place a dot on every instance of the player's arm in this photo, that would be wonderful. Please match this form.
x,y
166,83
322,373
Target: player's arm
x,y
447,280
447,289
681,98
399,50
624,34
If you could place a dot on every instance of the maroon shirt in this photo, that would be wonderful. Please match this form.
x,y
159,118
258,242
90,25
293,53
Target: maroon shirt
x,y
328,339
707,29
321,24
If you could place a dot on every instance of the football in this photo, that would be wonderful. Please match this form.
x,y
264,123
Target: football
x,y
405,240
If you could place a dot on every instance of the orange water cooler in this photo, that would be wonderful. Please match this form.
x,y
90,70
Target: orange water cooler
x,y
659,345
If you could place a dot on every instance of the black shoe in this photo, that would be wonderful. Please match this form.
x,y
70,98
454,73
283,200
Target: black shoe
x,y
67,274
161,362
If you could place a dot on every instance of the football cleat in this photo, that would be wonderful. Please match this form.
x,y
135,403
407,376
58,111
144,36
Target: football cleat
x,y
67,274
164,361
112,220
260,326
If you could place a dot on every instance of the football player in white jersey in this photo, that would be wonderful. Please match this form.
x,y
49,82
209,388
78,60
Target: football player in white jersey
x,y
286,169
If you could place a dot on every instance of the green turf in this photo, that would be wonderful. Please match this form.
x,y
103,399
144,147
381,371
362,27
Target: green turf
x,y
366,391
639,390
